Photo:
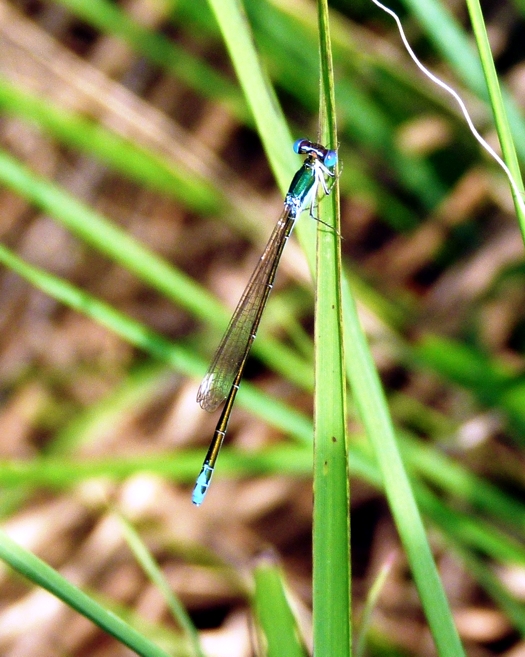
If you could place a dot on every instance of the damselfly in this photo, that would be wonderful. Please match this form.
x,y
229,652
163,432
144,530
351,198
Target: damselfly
x,y
225,372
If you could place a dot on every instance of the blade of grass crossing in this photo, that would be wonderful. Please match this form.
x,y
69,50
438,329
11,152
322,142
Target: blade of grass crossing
x,y
450,39
331,537
376,418
154,573
500,116
371,602
269,119
98,232
274,614
264,106
40,573
141,336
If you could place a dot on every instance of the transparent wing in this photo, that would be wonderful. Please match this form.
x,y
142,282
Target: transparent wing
x,y
239,335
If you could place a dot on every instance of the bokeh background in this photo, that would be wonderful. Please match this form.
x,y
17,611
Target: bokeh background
x,y
133,109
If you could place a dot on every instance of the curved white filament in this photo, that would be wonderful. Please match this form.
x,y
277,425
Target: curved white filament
x,y
456,96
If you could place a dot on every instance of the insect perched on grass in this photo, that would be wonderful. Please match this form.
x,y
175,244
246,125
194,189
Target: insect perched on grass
x,y
225,372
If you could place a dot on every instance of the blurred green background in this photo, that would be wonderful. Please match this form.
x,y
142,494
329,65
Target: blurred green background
x,y
131,171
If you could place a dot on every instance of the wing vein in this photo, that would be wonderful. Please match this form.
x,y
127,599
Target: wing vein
x,y
238,337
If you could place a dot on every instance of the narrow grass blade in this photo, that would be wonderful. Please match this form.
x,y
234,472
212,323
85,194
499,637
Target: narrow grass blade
x,y
274,614
374,413
371,603
331,530
446,33
464,528
269,119
100,233
489,580
145,338
496,101
40,573
471,531
154,573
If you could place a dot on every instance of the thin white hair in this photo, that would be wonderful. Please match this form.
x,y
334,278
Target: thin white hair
x,y
456,96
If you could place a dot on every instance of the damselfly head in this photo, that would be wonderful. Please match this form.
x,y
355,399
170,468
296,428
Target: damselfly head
x,y
316,151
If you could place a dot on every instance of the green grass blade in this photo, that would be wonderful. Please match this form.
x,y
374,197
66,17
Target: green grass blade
x,y
141,385
376,418
498,107
444,30
101,234
40,573
458,482
145,338
463,528
152,570
135,332
194,72
263,104
269,119
371,602
331,528
274,614
123,155
512,607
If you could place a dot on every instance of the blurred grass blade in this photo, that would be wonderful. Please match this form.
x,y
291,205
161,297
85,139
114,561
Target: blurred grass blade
x,y
448,36
195,72
331,527
100,233
40,573
155,575
371,603
145,338
492,583
488,380
372,406
500,116
274,614
263,104
471,530
135,332
123,155
138,389
466,528
459,482
269,119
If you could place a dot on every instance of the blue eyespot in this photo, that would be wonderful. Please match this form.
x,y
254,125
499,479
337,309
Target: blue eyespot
x,y
330,159
297,145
